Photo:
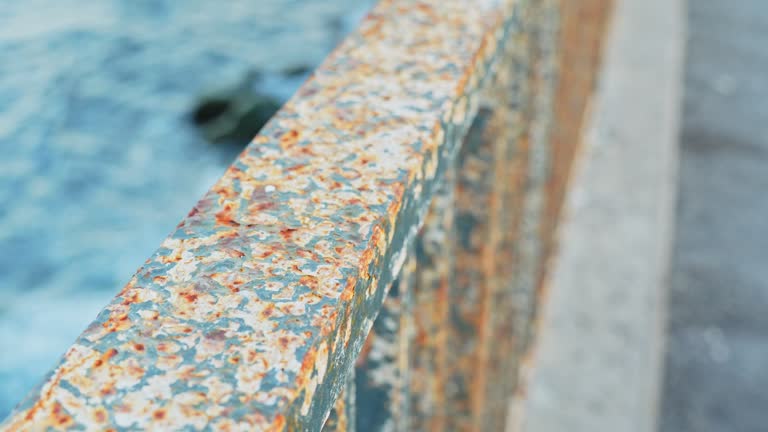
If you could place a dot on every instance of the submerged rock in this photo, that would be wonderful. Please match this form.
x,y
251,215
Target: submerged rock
x,y
234,115
298,70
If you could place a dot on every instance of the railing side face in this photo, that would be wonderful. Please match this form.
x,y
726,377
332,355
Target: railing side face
x,y
479,254
252,313
482,253
483,250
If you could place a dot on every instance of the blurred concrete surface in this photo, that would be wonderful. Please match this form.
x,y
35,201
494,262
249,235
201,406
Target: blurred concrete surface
x,y
599,359
717,365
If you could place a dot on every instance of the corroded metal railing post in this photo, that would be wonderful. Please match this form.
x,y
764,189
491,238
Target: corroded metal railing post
x,y
530,257
382,376
509,101
493,167
472,290
435,252
395,214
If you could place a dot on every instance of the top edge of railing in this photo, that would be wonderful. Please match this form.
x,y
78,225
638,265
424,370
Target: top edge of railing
x,y
251,312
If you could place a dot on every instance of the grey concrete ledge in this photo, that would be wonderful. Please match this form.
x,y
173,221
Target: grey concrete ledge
x,y
598,363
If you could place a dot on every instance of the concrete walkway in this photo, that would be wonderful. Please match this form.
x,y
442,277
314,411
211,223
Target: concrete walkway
x,y
598,365
717,365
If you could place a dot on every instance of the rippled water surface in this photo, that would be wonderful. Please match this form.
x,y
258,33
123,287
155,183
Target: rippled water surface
x,y
99,158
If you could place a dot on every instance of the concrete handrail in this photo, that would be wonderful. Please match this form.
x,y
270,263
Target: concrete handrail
x,y
252,313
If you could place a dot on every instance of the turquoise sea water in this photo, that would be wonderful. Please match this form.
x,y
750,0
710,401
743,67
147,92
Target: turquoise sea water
x,y
99,160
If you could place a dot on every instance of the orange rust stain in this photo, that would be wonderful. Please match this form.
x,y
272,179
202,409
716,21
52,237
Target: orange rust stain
x,y
425,8
286,233
263,206
234,253
260,139
289,138
228,234
284,341
365,261
310,281
421,337
347,323
279,423
307,254
224,216
296,167
60,418
191,213
225,191
307,151
349,289
129,286
377,239
129,299
373,30
100,415
136,371
268,311
332,319
307,365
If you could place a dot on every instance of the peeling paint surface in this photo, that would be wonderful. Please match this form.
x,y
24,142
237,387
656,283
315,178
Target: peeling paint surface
x,y
475,205
251,313
435,255
372,261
